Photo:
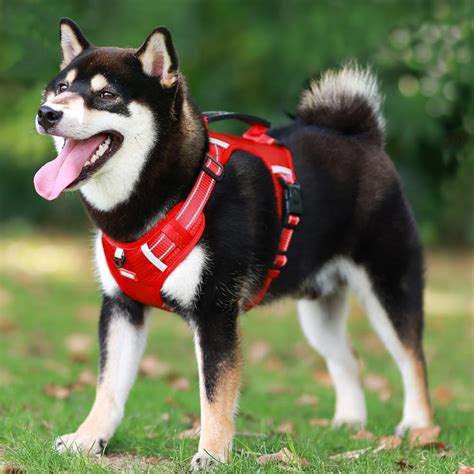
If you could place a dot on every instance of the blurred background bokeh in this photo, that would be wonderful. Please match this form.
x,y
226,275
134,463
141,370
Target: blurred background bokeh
x,y
255,56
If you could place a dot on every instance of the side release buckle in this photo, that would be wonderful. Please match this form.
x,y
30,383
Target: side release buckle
x,y
292,203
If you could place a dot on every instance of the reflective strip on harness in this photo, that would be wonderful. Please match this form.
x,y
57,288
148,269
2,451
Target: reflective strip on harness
x,y
154,260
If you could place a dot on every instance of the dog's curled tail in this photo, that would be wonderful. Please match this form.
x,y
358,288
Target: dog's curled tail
x,y
347,100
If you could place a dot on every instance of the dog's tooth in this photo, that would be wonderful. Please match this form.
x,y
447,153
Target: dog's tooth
x,y
94,159
107,141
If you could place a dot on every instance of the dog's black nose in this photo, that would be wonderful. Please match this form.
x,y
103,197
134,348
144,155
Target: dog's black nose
x,y
47,117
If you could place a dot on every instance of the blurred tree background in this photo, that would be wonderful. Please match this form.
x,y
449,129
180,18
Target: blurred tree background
x,y
255,56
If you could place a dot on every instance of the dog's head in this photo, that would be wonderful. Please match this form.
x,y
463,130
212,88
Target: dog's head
x,y
105,109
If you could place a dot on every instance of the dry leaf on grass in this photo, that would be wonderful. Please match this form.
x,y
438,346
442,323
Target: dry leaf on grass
x,y
305,400
442,394
362,434
379,385
179,383
258,351
319,422
274,363
322,378
350,454
286,427
7,326
465,469
278,389
87,377
284,456
424,436
372,343
153,367
56,391
387,443
78,346
194,429
375,382
10,469
191,433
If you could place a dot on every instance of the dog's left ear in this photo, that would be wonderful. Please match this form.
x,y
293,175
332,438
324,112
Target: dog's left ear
x,y
73,42
159,58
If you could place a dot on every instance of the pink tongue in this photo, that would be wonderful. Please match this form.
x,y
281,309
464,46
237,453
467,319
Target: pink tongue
x,y
56,175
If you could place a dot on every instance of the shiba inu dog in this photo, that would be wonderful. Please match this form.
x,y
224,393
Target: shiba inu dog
x,y
131,141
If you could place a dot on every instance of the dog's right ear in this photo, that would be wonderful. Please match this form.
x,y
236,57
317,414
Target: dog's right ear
x,y
73,42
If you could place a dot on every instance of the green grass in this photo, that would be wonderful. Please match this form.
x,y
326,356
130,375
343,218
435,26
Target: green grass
x,y
43,301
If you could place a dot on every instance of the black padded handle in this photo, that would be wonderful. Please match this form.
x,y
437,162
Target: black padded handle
x,y
217,116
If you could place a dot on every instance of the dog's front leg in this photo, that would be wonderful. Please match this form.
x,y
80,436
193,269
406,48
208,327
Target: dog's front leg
x,y
218,358
122,333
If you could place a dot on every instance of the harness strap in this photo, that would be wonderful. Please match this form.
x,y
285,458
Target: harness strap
x,y
175,234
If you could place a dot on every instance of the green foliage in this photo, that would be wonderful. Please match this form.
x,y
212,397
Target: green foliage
x,y
255,56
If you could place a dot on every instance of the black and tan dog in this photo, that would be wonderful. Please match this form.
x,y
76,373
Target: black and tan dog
x,y
132,143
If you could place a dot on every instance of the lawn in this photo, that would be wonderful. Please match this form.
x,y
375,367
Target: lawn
x,y
48,359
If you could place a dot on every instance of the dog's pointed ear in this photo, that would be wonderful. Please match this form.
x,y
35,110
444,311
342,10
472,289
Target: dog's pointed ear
x,y
159,58
73,42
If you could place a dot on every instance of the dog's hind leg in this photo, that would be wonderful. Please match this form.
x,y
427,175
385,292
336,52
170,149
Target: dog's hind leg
x,y
218,358
394,304
324,323
122,333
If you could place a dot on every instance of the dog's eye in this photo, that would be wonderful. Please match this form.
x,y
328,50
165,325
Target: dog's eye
x,y
107,95
61,87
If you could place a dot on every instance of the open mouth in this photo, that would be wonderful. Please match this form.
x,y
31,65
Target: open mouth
x,y
107,148
77,161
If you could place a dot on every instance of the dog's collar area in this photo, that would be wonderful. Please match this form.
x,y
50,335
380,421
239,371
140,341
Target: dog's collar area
x,y
140,268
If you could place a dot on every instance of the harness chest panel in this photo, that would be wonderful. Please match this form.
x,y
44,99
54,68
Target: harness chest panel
x,y
141,268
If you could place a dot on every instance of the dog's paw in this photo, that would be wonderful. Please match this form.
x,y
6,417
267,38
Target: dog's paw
x,y
80,443
203,460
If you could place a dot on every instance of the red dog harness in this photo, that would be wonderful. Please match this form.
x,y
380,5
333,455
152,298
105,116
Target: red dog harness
x,y
140,268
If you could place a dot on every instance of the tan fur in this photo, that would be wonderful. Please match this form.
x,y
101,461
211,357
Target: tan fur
x,y
98,82
421,386
217,415
71,76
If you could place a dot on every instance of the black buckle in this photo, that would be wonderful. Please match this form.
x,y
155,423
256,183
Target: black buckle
x,y
217,177
292,202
